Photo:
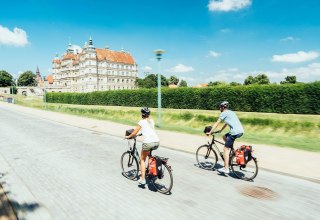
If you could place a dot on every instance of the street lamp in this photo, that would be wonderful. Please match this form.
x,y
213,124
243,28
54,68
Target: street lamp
x,y
44,93
159,53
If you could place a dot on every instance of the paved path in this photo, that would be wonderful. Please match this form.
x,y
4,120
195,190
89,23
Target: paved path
x,y
278,159
55,171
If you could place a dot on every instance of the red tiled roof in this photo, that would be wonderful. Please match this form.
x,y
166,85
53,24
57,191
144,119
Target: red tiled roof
x,y
114,56
56,61
69,56
50,79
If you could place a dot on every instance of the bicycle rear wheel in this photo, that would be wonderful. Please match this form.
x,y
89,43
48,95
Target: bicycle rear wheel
x,y
245,172
164,185
206,157
129,165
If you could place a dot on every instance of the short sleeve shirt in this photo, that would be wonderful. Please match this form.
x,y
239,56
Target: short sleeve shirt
x,y
148,132
232,120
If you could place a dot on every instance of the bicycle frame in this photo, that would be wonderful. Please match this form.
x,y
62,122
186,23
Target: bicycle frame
x,y
213,143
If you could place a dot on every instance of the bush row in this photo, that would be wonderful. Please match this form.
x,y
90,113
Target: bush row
x,y
294,98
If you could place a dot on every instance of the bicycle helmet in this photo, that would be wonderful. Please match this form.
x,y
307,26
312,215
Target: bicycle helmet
x,y
145,111
224,104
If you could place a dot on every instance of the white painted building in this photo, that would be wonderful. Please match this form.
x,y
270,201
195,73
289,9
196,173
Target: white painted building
x,y
91,69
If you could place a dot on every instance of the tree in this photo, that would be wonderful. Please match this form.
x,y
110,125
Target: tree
x,y
235,84
289,80
151,81
27,78
249,80
216,83
262,79
183,83
6,79
173,80
259,79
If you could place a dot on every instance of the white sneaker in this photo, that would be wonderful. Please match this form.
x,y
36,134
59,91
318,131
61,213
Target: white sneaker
x,y
142,182
223,170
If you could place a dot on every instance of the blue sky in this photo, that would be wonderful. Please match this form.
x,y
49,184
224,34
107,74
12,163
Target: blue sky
x,y
205,40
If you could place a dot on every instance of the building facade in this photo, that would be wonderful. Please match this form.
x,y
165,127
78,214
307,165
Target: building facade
x,y
91,69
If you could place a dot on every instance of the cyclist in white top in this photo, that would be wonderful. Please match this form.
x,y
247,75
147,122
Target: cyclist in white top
x,y
150,141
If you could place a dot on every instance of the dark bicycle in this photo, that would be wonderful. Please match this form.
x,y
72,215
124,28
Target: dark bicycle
x,y
130,161
207,158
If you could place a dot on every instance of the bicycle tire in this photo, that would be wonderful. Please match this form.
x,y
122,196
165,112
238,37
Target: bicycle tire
x,y
129,165
204,161
247,172
159,183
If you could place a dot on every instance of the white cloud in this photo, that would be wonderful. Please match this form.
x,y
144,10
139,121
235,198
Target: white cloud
x,y
147,68
298,57
214,54
225,30
180,68
228,5
17,37
309,73
290,38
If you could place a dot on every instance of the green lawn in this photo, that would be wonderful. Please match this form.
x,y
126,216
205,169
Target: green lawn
x,y
295,131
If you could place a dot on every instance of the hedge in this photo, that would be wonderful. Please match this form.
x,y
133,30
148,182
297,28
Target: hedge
x,y
288,98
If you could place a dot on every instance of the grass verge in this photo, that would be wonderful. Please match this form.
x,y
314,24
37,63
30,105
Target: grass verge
x,y
284,130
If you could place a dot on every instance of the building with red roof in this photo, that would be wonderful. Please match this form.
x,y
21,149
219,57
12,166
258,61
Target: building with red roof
x,y
91,69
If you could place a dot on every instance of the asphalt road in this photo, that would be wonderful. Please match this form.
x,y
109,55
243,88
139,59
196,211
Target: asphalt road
x,y
55,171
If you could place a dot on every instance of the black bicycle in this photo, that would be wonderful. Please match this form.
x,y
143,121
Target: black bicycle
x,y
130,164
207,158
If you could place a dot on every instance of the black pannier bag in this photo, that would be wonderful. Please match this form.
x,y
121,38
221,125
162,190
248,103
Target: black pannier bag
x,y
207,129
128,132
159,167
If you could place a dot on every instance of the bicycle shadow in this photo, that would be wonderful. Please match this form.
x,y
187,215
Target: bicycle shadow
x,y
218,166
151,187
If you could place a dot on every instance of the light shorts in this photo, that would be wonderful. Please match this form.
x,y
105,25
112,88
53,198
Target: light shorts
x,y
150,146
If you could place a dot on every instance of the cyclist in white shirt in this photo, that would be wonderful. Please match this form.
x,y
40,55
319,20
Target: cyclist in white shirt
x,y
150,141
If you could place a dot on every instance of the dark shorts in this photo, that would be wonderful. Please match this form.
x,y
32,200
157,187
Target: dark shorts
x,y
230,139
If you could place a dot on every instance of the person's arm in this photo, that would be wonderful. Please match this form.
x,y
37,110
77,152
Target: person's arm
x,y
136,130
215,125
224,126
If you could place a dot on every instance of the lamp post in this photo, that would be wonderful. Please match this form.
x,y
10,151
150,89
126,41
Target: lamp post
x,y
159,53
44,93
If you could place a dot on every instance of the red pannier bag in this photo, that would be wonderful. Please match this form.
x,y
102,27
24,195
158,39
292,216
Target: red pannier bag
x,y
152,166
240,157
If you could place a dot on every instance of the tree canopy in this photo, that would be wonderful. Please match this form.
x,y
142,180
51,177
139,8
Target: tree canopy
x,y
27,78
289,80
259,79
6,79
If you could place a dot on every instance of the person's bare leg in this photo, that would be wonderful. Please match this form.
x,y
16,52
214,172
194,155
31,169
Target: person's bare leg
x,y
226,157
144,155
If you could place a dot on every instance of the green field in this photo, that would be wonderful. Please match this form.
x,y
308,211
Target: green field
x,y
287,130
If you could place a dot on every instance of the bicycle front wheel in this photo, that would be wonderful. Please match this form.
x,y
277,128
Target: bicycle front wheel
x,y
245,172
164,185
206,157
129,165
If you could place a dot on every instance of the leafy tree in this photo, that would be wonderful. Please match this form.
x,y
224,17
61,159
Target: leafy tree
x,y
259,79
249,80
151,81
173,80
216,83
5,79
289,80
183,83
262,79
27,78
235,84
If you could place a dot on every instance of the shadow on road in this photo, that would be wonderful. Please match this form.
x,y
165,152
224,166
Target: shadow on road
x,y
10,208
